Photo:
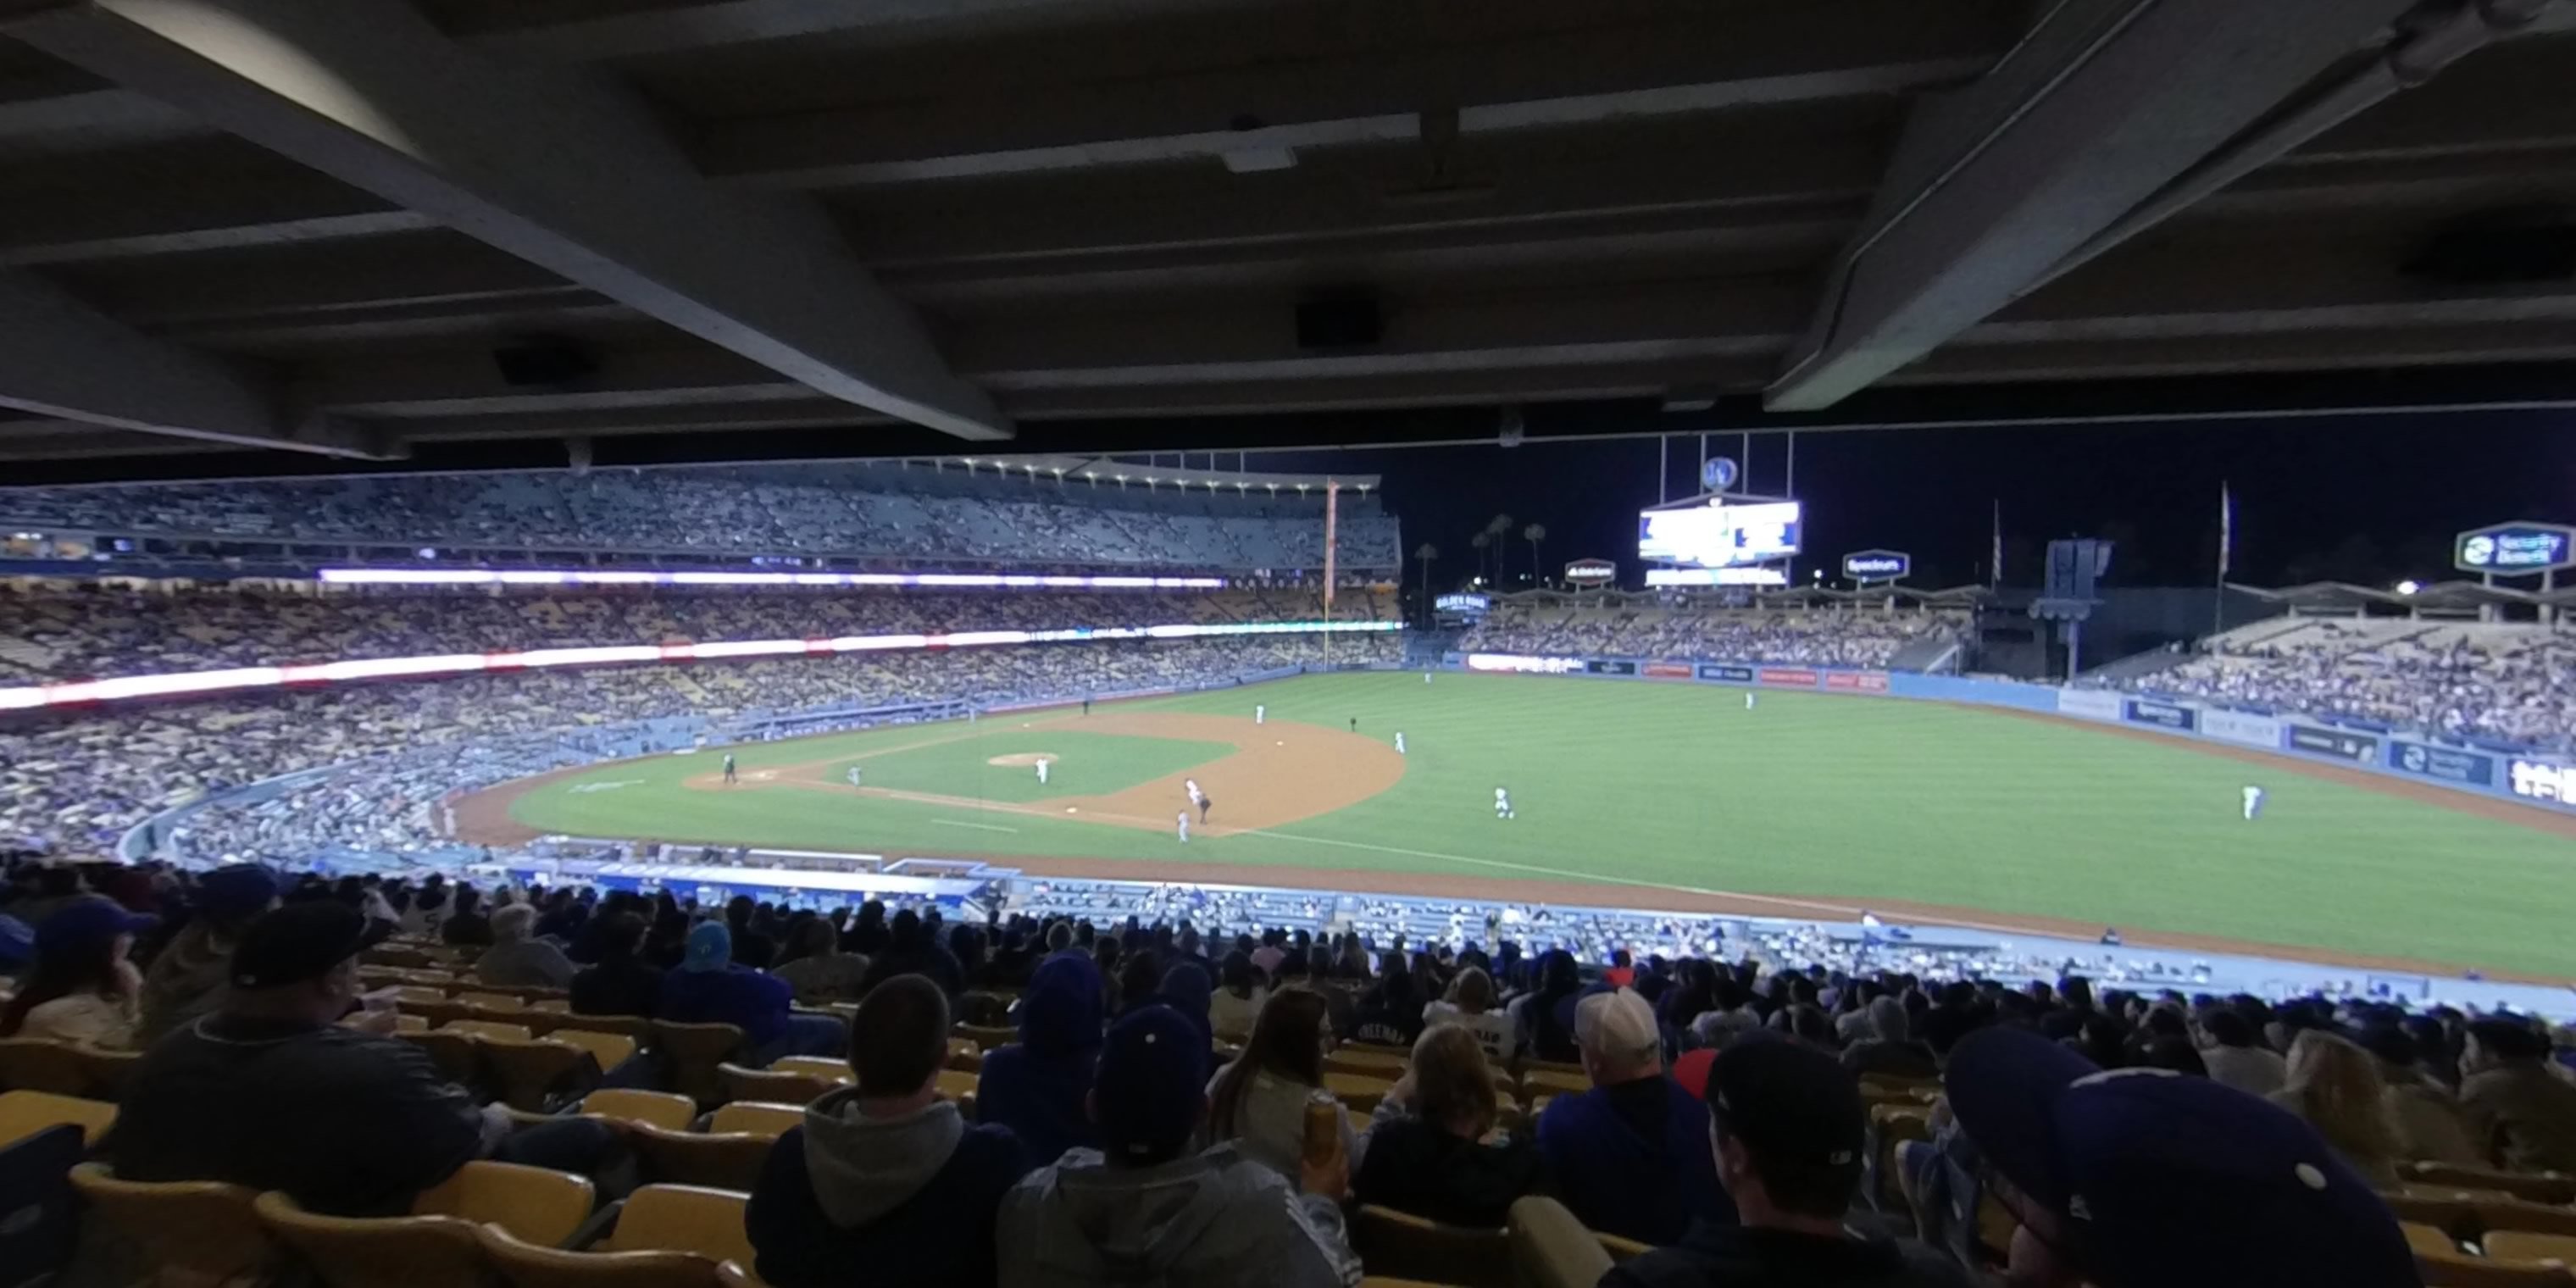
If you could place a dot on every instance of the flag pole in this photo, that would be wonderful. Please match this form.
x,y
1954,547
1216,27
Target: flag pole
x,y
2226,548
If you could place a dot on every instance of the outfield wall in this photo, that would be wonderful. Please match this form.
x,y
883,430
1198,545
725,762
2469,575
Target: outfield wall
x,y
2542,781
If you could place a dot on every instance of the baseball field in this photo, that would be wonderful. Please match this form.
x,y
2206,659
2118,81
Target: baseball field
x,y
1656,795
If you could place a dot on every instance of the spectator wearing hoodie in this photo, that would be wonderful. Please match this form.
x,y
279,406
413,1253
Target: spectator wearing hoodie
x,y
2519,1112
1425,1153
620,982
1146,1209
1629,1155
885,1175
1887,1046
1786,1125
709,988
1036,1086
911,949
1545,1019
187,979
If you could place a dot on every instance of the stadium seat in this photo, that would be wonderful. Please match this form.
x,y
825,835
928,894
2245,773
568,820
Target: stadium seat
x,y
953,1085
666,1236
530,1074
2457,1270
609,1050
665,1109
694,1051
525,1265
2425,1238
965,1054
24,1113
1551,1082
38,1212
552,1005
437,1246
493,1029
42,1064
683,1218
778,1088
733,1274
724,1160
453,1052
633,1028
2523,1245
814,1066
2492,1214
988,1037
492,1001
757,1118
184,1232
1404,1245
1367,1063
1358,1091
405,1022
2545,1187
1553,1248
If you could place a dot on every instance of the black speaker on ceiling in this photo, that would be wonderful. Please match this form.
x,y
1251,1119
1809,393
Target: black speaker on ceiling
x,y
543,360
1345,320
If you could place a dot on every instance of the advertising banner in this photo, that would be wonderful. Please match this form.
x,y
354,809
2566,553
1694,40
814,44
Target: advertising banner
x,y
2091,704
1727,674
1862,681
1666,671
1591,572
1524,665
2163,715
1794,676
2539,780
1610,668
2449,764
2342,744
2238,727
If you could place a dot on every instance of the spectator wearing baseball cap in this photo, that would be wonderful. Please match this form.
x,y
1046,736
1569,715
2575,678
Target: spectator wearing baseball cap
x,y
2519,1112
1786,1125
1145,1208
709,988
187,979
2143,1178
83,989
272,1091
1629,1155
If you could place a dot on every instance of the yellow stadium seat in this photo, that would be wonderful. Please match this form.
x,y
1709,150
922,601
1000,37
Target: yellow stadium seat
x,y
2523,1245
665,1109
454,1053
552,1006
814,1066
988,1036
407,1022
24,1113
1356,1091
537,1204
493,1029
184,1232
42,1064
504,1002
2455,1270
758,1118
954,1085
530,1073
683,1218
437,1246
1553,1248
780,1088
2546,1187
1551,1082
609,1050
964,1054
633,1028
733,1274
521,1264
1401,1244
724,1160
694,1051
2424,1238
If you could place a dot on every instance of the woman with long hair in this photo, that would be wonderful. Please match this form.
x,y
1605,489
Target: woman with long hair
x,y
1426,1153
1259,1101
1238,998
1470,1005
2336,1086
1390,1010
1547,1016
82,989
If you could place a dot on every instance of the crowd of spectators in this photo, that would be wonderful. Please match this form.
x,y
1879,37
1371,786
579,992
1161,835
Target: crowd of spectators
x,y
1573,627
855,510
2496,682
77,780
1717,1111
54,632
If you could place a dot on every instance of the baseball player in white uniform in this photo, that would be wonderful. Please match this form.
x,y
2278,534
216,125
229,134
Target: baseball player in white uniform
x,y
2253,803
1191,785
856,776
1184,817
1502,803
1399,742
1042,772
1260,713
1748,699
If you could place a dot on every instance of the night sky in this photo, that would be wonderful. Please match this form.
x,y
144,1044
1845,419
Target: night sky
x,y
2369,499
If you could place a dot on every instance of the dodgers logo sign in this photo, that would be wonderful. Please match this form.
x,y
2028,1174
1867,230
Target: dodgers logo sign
x,y
1717,473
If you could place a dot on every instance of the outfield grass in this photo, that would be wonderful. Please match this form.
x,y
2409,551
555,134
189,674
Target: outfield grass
x,y
1679,785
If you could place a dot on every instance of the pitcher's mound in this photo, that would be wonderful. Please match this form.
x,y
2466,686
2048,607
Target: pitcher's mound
x,y
1022,759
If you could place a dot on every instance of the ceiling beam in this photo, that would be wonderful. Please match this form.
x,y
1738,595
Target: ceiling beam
x,y
61,358
682,28
2107,103
559,169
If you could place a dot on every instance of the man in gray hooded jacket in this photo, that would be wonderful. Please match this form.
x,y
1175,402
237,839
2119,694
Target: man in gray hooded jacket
x,y
885,1184
1145,1210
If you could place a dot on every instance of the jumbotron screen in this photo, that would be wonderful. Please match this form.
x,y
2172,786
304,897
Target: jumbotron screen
x,y
1719,534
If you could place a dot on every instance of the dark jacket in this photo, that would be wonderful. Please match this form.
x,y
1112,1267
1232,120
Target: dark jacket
x,y
346,1122
1414,1167
1208,1220
1728,1256
618,986
1634,1159
1036,1086
755,1003
885,1202
919,956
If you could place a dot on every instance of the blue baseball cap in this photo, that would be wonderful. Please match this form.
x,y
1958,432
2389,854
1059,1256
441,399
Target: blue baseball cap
x,y
710,947
1150,1084
85,922
2159,1178
234,892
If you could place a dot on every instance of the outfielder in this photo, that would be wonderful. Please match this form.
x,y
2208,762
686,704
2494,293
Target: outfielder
x,y
1502,803
1399,742
857,776
1042,771
2253,803
728,772
1748,699
1184,817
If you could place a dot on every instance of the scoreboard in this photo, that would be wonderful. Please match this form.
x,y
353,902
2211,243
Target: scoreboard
x,y
1720,532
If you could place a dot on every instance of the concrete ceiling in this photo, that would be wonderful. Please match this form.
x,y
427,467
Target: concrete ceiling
x,y
236,232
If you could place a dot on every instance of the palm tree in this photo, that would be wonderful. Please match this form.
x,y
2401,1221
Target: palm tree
x,y
1500,529
1422,557
1480,541
1534,534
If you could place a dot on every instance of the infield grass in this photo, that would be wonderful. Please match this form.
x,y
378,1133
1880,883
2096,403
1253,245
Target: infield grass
x,y
1653,785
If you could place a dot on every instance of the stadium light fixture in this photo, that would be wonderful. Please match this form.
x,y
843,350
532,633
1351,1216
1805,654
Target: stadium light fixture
x,y
2408,587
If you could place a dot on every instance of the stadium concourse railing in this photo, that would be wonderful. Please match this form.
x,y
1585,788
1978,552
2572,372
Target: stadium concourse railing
x,y
2538,779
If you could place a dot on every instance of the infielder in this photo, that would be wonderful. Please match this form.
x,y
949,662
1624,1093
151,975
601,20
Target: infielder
x,y
1184,817
2253,803
1204,803
1260,713
1042,772
1399,742
857,776
1191,786
728,772
1502,803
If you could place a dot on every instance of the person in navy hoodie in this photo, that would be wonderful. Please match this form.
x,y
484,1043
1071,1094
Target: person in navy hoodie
x,y
1036,1086
709,988
1631,1155
885,1183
